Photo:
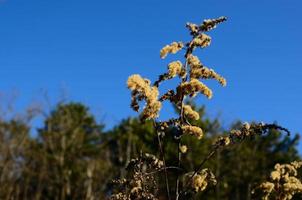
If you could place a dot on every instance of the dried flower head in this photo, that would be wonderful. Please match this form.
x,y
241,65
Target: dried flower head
x,y
207,25
194,61
275,175
223,141
194,86
251,130
210,24
183,149
246,131
141,184
174,69
151,110
190,113
201,180
199,71
283,183
202,41
194,28
267,188
173,48
192,130
141,89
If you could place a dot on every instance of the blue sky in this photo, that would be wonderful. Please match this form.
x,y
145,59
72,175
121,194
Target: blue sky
x,y
91,47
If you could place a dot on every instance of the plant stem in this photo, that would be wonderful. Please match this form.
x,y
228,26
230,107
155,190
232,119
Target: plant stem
x,y
211,154
164,160
182,119
179,165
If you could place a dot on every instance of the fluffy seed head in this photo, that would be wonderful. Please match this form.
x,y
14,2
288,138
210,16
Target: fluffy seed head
x,y
194,86
190,113
141,89
173,48
174,68
202,41
183,149
192,130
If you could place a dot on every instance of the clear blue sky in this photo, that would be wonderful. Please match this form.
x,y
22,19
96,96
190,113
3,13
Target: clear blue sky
x,y
91,47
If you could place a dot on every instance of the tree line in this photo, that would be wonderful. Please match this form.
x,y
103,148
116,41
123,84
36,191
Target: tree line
x,y
73,157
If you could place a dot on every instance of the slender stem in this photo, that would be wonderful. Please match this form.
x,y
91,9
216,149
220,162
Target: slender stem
x,y
182,119
182,116
164,160
183,96
179,165
212,153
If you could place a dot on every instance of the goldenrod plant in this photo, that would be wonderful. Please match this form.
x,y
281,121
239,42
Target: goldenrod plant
x,y
191,72
284,182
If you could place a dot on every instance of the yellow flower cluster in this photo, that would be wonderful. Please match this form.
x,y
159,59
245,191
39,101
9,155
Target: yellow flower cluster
x,y
183,149
193,28
267,188
151,110
245,131
190,113
192,130
207,25
139,84
158,164
207,73
175,68
201,180
199,183
199,71
141,88
210,24
223,141
284,181
296,165
194,86
193,61
174,47
202,40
